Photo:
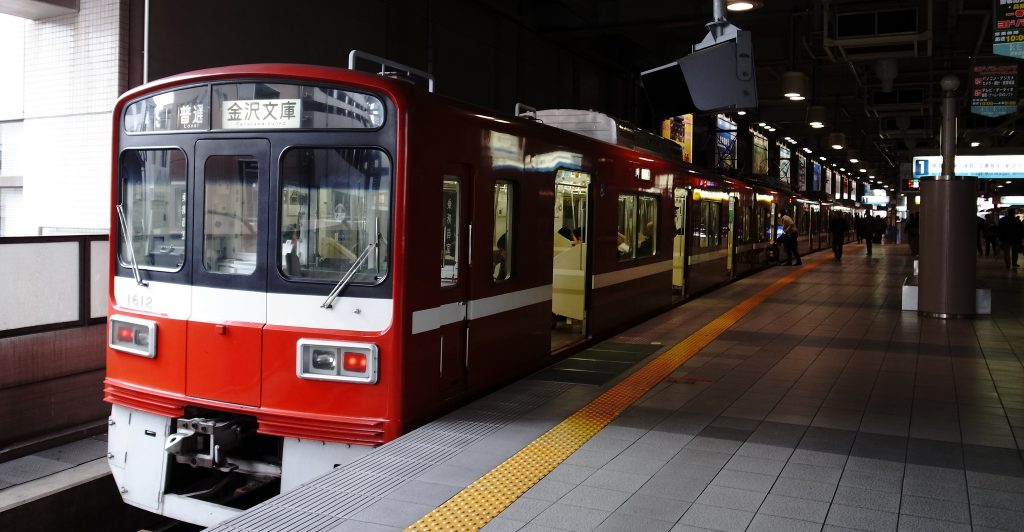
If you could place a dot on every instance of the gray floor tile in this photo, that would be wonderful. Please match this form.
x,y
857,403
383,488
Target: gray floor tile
x,y
744,481
735,499
633,464
77,452
751,464
654,507
674,487
714,518
525,509
568,517
500,524
353,525
619,522
549,490
572,474
794,508
997,518
828,475
617,480
935,509
804,489
596,498
1006,500
910,523
393,513
861,518
946,492
870,499
772,523
592,459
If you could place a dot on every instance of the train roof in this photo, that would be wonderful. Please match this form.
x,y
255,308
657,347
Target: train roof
x,y
605,128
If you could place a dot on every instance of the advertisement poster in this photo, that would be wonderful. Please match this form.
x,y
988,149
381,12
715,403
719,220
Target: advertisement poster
x,y
994,90
785,160
759,165
1008,28
680,130
725,143
801,173
815,177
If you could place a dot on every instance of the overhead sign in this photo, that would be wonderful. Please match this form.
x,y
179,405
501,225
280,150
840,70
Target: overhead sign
x,y
911,184
680,130
1008,30
981,166
875,200
261,114
994,90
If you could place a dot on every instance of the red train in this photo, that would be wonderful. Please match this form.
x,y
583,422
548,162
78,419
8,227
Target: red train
x,y
274,305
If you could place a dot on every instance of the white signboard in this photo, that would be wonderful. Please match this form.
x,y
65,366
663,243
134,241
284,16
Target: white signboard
x,y
260,114
981,166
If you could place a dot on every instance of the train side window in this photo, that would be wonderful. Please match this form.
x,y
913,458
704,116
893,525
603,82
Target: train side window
x,y
502,238
450,249
626,238
647,226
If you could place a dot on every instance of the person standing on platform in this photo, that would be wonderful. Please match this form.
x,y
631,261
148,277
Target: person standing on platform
x,y
789,239
1010,232
991,239
858,227
837,228
914,233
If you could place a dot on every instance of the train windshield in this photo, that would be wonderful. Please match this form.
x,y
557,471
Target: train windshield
x,y
335,203
154,198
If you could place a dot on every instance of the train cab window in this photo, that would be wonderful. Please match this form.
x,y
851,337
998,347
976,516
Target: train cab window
x,y
450,203
154,198
335,211
230,233
647,226
504,216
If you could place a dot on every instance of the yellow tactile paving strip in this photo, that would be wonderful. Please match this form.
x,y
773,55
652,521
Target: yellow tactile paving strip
x,y
480,502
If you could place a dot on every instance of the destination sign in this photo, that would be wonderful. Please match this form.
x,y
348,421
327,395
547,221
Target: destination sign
x,y
261,114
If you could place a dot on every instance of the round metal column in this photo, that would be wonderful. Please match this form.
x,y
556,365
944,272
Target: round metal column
x,y
948,248
949,231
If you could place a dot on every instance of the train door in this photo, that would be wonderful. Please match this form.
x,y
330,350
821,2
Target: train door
x,y
570,277
454,294
229,270
679,196
730,257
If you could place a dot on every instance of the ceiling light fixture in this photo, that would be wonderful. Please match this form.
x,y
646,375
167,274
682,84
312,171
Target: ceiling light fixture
x,y
975,144
741,113
794,85
816,116
742,5
836,140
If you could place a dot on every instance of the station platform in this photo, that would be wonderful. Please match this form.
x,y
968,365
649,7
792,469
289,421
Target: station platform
x,y
800,398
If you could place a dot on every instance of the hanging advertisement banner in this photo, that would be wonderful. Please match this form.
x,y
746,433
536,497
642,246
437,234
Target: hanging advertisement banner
x,y
680,130
1008,28
994,90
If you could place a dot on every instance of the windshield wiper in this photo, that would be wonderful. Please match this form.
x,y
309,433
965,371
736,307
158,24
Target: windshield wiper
x,y
131,246
349,274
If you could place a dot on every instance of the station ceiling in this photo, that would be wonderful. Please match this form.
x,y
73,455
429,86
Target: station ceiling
x,y
944,37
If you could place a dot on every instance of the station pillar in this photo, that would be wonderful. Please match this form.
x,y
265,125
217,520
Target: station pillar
x,y
948,263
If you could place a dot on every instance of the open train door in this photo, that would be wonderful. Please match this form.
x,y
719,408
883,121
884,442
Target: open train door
x,y
229,270
570,276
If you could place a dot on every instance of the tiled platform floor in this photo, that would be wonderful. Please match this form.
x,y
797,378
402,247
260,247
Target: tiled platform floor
x,y
825,408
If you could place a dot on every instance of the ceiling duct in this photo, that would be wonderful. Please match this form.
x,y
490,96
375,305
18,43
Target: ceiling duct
x,y
900,101
904,127
874,30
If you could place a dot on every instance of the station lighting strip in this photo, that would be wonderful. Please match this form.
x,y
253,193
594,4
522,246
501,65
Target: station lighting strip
x,y
480,502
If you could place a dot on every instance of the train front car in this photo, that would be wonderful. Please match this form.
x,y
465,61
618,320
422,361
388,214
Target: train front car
x,y
252,316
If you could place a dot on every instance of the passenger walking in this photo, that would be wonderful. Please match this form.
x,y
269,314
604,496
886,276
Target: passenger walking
x,y
866,231
789,239
991,239
1010,232
837,228
913,230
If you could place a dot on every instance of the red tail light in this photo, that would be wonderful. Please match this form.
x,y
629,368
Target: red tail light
x,y
355,362
126,334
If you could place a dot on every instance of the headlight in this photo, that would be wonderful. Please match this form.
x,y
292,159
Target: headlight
x,y
132,335
337,361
